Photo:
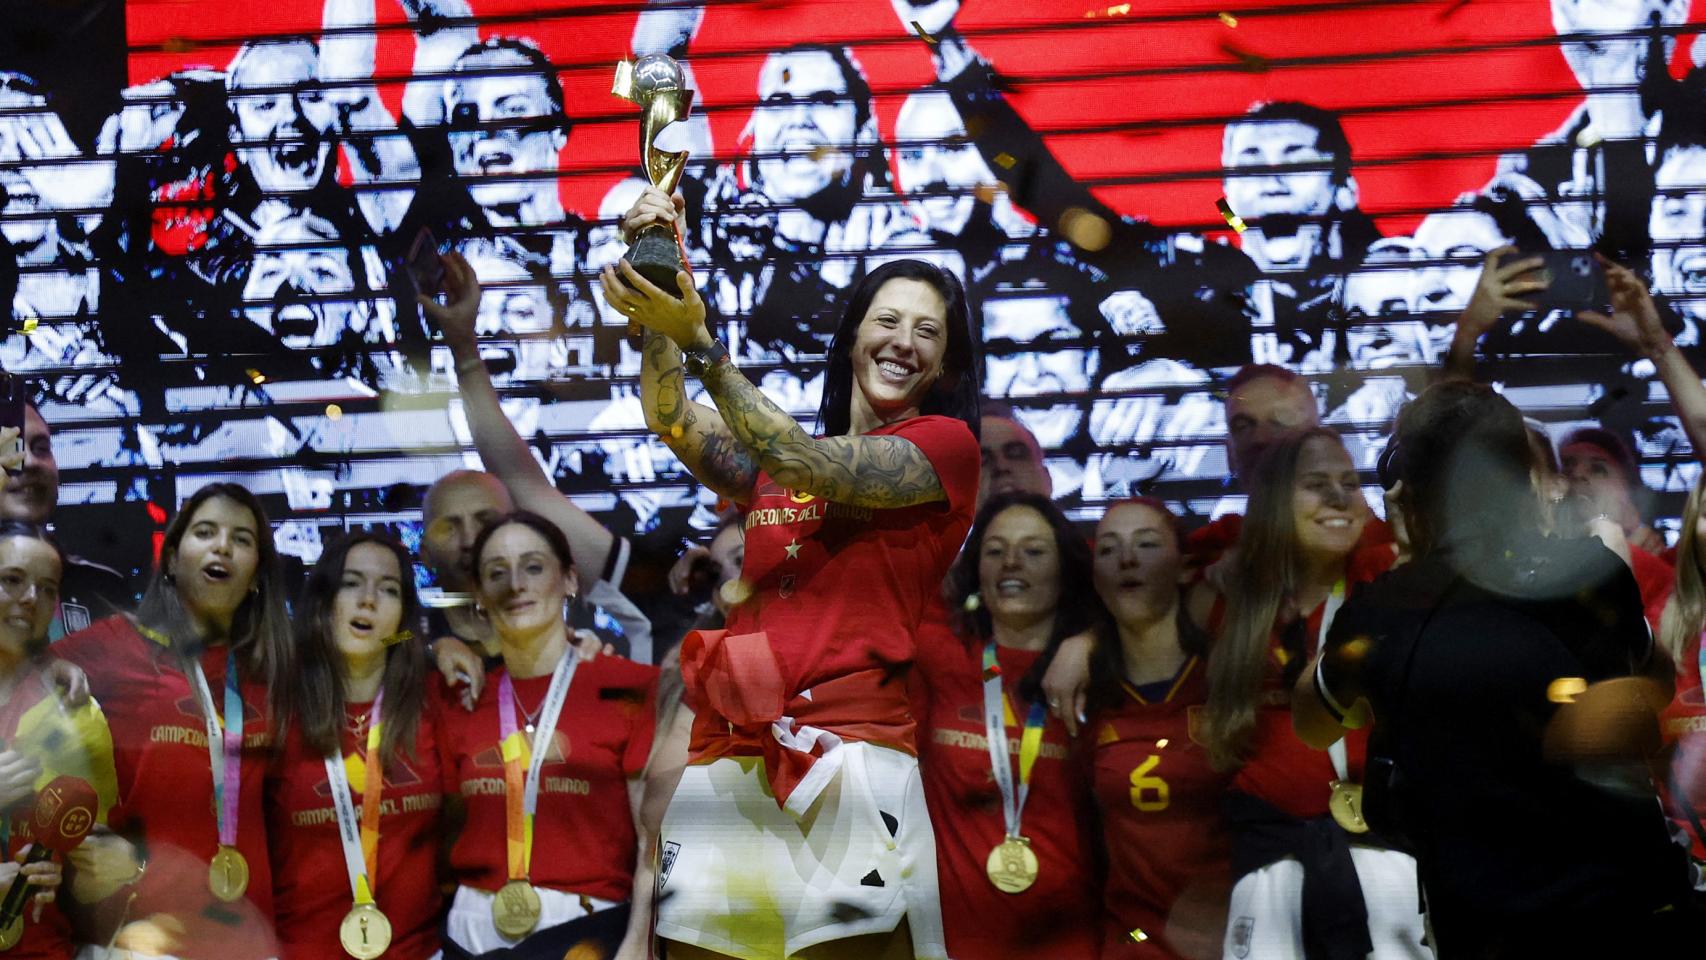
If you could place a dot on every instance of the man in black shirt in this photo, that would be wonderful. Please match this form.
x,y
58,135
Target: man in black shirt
x,y
88,591
1505,675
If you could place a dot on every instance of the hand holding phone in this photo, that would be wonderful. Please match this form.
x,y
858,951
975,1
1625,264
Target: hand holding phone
x,y
1575,280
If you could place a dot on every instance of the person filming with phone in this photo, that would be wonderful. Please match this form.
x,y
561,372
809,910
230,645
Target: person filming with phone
x,y
1512,686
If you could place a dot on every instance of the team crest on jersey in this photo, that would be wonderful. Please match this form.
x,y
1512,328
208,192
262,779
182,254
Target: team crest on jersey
x,y
670,851
1193,724
491,758
398,773
1243,930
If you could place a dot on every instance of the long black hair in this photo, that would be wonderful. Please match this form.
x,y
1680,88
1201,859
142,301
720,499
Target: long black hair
x,y
260,627
954,395
1075,610
319,683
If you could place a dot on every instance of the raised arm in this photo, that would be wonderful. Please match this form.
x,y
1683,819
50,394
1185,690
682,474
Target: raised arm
x,y
501,449
1635,321
378,152
878,472
1498,290
443,30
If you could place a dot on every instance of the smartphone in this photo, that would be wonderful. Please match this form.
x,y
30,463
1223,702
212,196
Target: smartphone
x,y
12,401
1576,279
426,271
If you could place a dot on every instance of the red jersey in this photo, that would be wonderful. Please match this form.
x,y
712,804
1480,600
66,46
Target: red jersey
x,y
73,743
308,857
840,589
1056,916
1281,769
583,834
1653,575
165,786
1682,724
1169,849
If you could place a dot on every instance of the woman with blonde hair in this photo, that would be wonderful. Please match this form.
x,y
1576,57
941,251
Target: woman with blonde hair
x,y
1679,622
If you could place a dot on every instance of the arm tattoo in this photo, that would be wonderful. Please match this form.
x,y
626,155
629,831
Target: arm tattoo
x,y
880,472
715,458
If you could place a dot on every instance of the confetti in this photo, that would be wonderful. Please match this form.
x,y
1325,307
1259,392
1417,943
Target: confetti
x,y
255,376
736,592
30,325
401,636
972,603
1005,160
1253,62
334,412
987,192
1565,689
923,34
1161,744
1086,230
1233,220
1589,138
1137,936
821,154
1229,19
1119,11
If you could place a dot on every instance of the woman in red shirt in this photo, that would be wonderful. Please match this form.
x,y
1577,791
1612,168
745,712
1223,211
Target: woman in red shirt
x,y
357,792
1308,878
40,738
1159,798
799,822
544,774
196,689
1022,583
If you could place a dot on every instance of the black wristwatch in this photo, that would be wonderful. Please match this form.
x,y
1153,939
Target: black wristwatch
x,y
699,361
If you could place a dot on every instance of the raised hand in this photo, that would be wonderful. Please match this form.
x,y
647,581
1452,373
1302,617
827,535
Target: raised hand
x,y
1634,318
1500,289
456,316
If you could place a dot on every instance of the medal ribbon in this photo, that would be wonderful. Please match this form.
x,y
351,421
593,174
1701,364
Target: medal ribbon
x,y
360,843
224,747
1335,600
521,794
995,719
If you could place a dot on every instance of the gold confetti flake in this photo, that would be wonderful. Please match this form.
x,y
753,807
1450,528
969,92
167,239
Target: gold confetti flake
x,y
1229,19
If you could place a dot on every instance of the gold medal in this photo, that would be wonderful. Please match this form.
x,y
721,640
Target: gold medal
x,y
365,932
228,875
515,910
12,933
1012,866
1346,806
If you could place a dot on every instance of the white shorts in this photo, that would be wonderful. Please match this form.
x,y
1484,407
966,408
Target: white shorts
x,y
469,921
1265,918
742,878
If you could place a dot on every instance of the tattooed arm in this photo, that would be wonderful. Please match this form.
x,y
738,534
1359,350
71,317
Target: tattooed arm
x,y
710,451
880,472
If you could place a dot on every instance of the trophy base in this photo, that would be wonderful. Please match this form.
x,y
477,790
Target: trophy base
x,y
657,257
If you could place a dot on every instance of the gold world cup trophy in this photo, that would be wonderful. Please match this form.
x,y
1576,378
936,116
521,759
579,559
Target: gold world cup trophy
x,y
655,82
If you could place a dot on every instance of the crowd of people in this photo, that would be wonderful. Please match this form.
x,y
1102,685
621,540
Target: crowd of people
x,y
927,715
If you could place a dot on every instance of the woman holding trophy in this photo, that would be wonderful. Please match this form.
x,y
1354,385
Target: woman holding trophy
x,y
798,826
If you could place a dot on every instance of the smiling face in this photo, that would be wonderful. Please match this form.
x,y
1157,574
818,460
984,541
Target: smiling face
x,y
32,494
368,606
1454,243
503,126
804,126
29,593
214,564
899,350
282,117
937,164
521,584
299,283
1138,565
1018,567
1678,227
1328,509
